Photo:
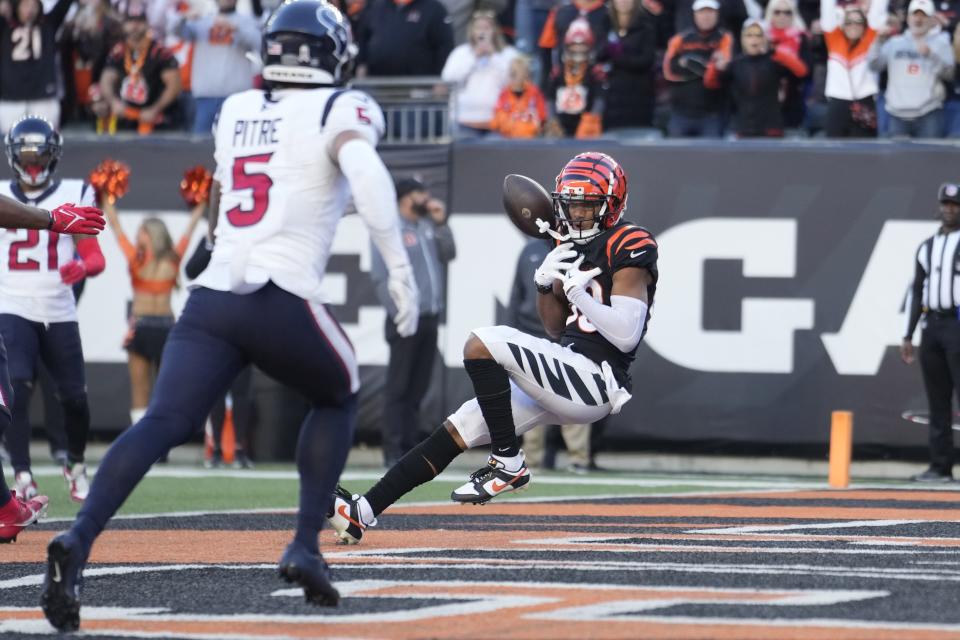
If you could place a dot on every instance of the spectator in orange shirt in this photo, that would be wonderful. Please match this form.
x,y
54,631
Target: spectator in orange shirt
x,y
520,110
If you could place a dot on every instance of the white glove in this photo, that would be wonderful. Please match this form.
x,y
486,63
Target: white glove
x,y
575,280
403,291
554,265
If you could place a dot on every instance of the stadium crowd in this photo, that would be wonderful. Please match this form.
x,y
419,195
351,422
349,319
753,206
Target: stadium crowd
x,y
519,68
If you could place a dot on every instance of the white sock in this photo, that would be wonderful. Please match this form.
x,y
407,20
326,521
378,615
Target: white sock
x,y
366,512
136,415
511,463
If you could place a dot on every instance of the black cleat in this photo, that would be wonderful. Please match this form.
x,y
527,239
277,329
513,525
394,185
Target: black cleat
x,y
60,600
299,566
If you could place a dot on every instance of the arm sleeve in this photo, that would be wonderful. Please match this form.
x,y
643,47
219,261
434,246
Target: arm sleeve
x,y
915,297
89,251
621,323
375,199
199,259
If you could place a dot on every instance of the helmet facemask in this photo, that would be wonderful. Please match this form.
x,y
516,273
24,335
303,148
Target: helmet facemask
x,y
33,161
579,230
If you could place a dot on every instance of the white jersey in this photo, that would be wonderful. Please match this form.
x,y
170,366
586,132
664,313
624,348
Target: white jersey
x,y
30,259
281,193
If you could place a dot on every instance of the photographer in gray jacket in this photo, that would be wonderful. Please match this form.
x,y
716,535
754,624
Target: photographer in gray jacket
x,y
917,62
430,245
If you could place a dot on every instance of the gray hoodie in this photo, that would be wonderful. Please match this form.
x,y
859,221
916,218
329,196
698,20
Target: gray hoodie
x,y
914,82
220,66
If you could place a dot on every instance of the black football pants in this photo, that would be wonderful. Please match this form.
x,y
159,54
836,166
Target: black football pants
x,y
940,363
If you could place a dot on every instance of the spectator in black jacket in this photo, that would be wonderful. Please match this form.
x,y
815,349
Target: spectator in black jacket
x,y
28,61
404,38
754,78
697,111
630,52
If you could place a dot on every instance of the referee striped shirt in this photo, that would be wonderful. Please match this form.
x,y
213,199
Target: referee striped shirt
x,y
936,279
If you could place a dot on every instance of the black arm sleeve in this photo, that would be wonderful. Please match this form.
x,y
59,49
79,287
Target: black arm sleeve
x,y
199,260
915,299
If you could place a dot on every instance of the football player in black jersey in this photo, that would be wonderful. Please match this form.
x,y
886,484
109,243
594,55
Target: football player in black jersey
x,y
596,287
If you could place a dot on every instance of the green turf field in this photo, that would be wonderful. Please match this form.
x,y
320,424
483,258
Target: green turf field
x,y
201,490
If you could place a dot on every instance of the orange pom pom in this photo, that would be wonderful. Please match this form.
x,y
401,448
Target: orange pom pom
x,y
110,179
195,186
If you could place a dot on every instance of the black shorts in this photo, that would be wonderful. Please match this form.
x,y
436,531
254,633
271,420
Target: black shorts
x,y
149,336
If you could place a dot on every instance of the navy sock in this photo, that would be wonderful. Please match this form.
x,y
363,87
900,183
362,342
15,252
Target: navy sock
x,y
76,414
322,448
126,462
421,464
492,386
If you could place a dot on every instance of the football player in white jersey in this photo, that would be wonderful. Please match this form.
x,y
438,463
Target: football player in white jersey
x,y
17,513
38,311
288,157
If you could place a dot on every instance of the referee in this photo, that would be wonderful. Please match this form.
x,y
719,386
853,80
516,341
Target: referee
x,y
936,295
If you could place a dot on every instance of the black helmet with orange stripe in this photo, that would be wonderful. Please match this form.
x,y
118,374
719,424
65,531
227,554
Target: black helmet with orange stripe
x,y
590,178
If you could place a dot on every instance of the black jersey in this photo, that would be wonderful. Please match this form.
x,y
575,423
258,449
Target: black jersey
x,y
624,245
28,70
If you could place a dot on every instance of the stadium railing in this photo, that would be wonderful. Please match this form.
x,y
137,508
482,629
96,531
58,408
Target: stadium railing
x,y
417,109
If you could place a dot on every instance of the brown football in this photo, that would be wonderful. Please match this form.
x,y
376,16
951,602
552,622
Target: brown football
x,y
525,200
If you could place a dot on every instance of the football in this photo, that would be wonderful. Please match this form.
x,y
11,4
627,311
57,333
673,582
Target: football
x,y
525,201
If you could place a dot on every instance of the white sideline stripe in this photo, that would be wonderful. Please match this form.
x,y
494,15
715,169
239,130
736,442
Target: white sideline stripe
x,y
425,503
37,579
765,485
457,476
42,627
675,567
849,524
798,622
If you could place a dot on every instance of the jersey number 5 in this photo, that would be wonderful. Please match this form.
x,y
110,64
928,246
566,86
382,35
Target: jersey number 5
x,y
32,240
259,184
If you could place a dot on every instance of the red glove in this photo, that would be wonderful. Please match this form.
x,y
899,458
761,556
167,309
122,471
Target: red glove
x,y
71,218
89,264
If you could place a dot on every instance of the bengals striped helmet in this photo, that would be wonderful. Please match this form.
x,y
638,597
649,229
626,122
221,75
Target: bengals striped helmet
x,y
591,178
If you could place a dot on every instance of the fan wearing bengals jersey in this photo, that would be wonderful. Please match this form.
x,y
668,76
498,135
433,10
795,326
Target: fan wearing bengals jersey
x,y
596,287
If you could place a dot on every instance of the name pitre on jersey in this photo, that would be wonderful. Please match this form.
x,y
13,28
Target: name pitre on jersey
x,y
282,195
624,245
30,259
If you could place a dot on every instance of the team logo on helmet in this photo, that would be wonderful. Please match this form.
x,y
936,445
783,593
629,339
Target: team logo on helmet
x,y
307,42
